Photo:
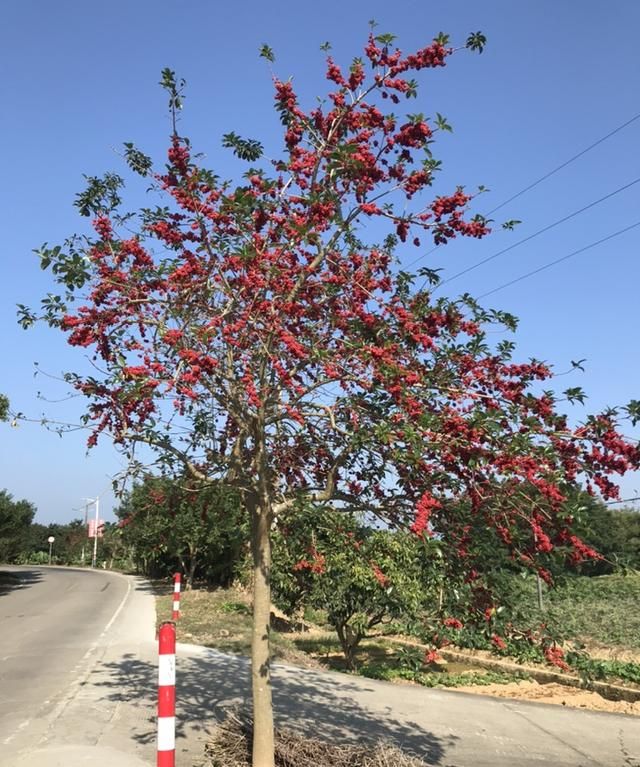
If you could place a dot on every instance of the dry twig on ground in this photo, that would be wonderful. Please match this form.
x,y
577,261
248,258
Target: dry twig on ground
x,y
230,746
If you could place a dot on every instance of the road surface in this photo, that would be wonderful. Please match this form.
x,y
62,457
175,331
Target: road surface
x,y
78,687
445,728
60,628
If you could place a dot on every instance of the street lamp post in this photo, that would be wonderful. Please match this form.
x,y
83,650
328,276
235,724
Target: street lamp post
x,y
50,540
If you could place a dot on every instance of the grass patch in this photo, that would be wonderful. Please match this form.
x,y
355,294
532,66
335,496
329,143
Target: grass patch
x,y
604,670
221,619
601,610
439,678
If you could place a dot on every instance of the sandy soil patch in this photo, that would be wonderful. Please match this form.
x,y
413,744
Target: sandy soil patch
x,y
555,694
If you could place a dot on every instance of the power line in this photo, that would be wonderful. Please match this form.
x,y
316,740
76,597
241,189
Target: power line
x,y
540,231
624,500
543,178
558,260
564,164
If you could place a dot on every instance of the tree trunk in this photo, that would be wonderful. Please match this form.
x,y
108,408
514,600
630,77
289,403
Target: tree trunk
x,y
193,561
263,739
348,642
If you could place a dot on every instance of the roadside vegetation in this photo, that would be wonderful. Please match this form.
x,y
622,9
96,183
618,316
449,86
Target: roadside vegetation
x,y
346,594
221,619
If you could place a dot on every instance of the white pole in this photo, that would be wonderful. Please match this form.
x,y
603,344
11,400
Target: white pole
x,y
95,535
86,517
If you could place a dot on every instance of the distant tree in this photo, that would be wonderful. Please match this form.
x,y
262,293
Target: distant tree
x,y
34,541
15,520
70,537
177,523
358,576
613,532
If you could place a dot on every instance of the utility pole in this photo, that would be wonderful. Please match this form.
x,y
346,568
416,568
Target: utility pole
x,y
539,590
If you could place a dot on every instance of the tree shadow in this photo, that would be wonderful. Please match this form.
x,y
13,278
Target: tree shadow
x,y
310,702
14,580
155,587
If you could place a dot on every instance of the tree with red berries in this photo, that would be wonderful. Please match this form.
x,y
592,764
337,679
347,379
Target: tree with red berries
x,y
260,334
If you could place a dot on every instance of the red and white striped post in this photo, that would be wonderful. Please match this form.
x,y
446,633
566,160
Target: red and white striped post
x,y
167,695
176,597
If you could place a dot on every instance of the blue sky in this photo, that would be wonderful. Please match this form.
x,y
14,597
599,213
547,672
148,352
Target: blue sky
x,y
78,79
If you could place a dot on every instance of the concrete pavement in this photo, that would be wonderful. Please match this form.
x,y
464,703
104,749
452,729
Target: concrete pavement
x,y
446,728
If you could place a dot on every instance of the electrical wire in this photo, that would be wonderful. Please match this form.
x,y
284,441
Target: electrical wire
x,y
559,260
541,231
543,178
564,164
624,500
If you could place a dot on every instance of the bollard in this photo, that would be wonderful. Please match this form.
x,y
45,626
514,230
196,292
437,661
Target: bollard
x,y
167,695
176,597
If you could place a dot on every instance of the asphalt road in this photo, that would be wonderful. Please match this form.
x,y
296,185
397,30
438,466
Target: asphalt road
x,y
57,626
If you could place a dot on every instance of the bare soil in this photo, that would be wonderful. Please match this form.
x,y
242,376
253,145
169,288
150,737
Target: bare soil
x,y
555,694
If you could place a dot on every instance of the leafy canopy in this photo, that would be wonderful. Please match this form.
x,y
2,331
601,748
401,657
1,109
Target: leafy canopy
x,y
261,333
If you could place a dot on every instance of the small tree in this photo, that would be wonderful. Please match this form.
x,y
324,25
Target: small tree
x,y
176,522
360,577
249,332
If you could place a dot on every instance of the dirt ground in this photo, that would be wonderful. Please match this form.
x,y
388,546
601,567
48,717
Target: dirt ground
x,y
551,692
530,690
556,694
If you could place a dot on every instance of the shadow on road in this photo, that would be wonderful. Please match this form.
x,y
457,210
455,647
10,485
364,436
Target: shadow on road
x,y
309,702
154,587
12,580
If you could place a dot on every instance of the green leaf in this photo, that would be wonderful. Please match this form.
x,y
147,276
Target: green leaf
x,y
511,224
575,394
385,39
412,91
26,317
245,149
266,52
430,274
442,123
138,161
100,196
476,42
633,411
173,87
